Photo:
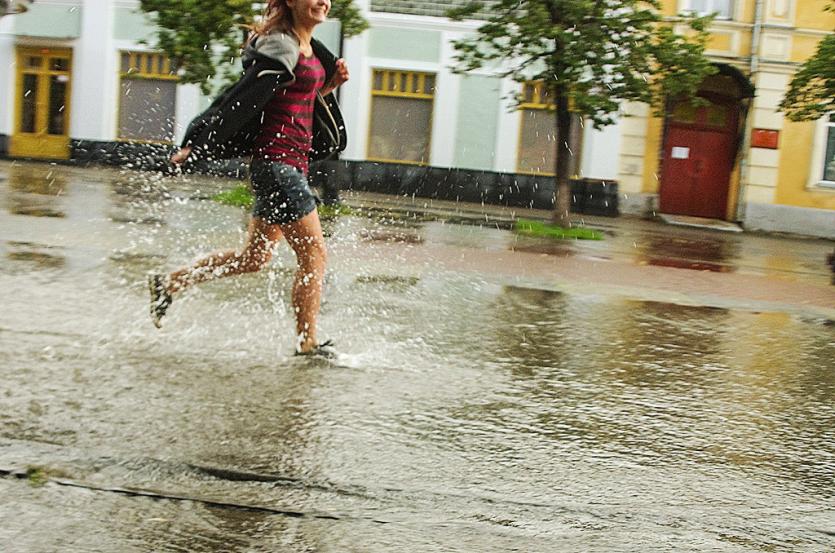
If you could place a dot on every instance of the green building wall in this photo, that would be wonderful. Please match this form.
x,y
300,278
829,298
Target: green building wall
x,y
132,24
403,44
49,21
479,102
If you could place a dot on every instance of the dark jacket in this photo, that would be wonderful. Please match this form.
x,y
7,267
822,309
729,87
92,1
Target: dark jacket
x,y
229,127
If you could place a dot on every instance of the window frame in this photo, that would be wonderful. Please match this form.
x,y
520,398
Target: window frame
x,y
823,127
392,92
686,7
533,99
138,62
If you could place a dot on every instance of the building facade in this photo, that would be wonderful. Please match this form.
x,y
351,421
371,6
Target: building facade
x,y
79,78
738,158
76,72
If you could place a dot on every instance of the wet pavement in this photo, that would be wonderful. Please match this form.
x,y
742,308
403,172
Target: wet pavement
x,y
663,389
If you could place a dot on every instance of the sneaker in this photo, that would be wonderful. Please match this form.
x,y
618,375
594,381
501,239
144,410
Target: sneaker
x,y
324,350
160,298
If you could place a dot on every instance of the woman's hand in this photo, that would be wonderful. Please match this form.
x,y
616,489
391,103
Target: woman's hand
x,y
339,78
181,155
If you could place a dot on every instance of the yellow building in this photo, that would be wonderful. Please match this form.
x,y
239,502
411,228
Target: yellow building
x,y
737,158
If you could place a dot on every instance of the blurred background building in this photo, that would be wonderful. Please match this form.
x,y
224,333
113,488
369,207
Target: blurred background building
x,y
80,80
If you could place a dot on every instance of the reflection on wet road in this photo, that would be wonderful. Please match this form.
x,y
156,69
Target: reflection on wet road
x,y
468,411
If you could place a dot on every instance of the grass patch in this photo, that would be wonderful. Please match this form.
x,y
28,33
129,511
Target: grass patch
x,y
334,210
546,230
240,196
37,476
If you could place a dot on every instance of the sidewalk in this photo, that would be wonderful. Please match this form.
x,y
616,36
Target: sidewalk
x,y
638,259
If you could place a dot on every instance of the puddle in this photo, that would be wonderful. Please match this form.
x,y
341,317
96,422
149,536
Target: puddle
x,y
471,409
388,235
392,281
25,208
687,264
35,179
549,247
714,253
28,256
127,219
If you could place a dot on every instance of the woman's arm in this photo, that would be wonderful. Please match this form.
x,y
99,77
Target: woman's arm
x,y
181,155
212,133
339,78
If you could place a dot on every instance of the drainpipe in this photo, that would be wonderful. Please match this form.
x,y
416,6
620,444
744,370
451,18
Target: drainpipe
x,y
756,37
756,41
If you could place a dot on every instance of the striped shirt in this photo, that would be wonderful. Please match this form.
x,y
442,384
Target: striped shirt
x,y
287,128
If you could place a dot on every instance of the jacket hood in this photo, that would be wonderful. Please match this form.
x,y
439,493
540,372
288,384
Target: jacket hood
x,y
277,46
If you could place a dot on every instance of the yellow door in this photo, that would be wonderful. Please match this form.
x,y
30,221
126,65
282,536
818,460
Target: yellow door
x,y
42,104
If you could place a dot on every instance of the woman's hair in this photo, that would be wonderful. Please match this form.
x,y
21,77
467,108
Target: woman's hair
x,y
277,17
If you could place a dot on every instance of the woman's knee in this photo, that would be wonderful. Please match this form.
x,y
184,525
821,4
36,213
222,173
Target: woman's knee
x,y
311,252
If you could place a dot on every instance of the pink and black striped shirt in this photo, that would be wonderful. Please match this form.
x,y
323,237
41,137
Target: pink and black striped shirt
x,y
287,129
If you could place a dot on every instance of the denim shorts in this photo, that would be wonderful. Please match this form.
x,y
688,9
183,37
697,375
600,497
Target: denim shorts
x,y
281,192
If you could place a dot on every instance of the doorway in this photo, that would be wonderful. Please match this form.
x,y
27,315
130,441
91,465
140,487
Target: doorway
x,y
42,97
699,155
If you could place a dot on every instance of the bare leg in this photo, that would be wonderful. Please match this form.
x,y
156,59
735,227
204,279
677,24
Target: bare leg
x,y
306,239
256,253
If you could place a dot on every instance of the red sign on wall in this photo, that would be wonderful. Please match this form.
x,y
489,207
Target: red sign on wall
x,y
765,138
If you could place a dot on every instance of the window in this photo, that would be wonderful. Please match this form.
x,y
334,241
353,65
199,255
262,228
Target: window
x,y
829,157
148,97
538,134
722,8
401,116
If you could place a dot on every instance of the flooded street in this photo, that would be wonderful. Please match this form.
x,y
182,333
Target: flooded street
x,y
479,402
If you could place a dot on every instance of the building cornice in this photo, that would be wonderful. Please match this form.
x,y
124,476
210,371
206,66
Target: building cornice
x,y
740,25
421,22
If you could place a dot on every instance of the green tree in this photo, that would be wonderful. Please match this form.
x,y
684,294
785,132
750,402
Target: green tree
x,y
12,7
590,56
192,32
811,94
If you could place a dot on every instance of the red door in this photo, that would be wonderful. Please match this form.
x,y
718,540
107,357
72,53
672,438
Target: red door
x,y
698,158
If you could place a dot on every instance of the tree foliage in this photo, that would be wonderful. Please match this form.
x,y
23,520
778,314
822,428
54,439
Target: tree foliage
x,y
353,23
598,53
12,7
203,37
590,55
811,94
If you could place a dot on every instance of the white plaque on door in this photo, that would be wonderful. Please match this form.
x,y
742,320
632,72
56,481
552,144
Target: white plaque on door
x,y
680,152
